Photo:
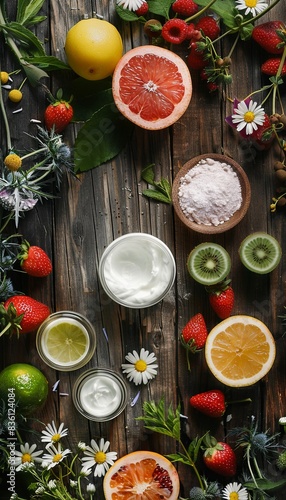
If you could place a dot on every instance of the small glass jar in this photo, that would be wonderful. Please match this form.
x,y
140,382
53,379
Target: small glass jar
x,y
100,394
50,349
137,270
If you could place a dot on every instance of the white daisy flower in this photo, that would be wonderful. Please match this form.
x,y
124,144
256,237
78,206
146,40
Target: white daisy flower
x,y
248,115
253,7
141,368
27,455
81,445
53,435
234,491
130,4
54,456
90,488
97,455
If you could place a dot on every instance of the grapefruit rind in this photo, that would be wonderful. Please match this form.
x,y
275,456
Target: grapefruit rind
x,y
152,87
240,355
132,474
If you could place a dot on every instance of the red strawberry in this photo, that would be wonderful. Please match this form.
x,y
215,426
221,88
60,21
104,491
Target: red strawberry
x,y
219,457
194,334
23,314
211,403
143,9
195,58
175,31
209,26
221,299
34,260
271,36
270,67
58,115
264,135
185,8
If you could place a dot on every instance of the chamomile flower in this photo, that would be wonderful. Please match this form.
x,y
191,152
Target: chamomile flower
x,y
247,116
234,491
142,367
253,7
98,456
130,4
54,456
53,435
27,455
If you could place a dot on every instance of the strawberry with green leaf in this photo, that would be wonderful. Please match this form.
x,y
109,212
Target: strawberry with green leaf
x,y
34,260
271,36
22,314
221,298
58,114
219,456
194,335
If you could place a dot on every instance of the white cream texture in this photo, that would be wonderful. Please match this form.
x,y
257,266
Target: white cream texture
x,y
136,272
100,396
210,193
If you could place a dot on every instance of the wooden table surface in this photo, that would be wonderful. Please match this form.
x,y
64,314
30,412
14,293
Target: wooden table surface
x,y
107,202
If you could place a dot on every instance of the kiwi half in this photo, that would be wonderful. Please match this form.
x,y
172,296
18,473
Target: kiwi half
x,y
260,252
209,263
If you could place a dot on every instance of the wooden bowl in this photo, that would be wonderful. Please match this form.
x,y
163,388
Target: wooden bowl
x,y
235,218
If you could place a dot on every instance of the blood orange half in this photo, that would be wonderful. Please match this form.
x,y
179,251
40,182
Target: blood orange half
x,y
152,87
142,475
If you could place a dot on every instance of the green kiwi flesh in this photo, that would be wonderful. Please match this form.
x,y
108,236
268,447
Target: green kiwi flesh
x,y
209,263
260,252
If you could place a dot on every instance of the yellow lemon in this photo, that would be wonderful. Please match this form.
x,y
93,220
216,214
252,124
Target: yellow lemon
x,y
93,48
240,350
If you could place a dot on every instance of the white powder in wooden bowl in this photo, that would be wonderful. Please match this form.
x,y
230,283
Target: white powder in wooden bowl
x,y
210,193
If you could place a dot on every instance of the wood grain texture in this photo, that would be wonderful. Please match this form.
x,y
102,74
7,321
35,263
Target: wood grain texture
x,y
107,202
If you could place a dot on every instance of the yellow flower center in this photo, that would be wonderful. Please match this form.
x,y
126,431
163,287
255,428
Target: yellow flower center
x,y
249,3
56,438
140,365
26,458
233,496
249,116
57,457
100,457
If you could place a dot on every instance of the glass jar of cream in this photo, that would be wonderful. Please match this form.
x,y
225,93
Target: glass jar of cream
x,y
137,270
100,394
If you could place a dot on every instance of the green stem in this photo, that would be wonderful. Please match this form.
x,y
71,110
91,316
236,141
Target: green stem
x,y
5,119
278,74
233,46
257,468
192,464
7,222
249,466
32,153
201,11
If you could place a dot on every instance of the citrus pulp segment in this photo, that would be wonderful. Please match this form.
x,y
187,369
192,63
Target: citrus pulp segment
x,y
152,87
260,252
65,341
240,350
143,475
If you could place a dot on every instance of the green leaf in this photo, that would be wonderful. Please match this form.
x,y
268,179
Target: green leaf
x,y
265,484
33,73
160,7
89,97
156,195
178,457
246,32
28,41
49,63
194,447
27,10
126,14
101,138
148,174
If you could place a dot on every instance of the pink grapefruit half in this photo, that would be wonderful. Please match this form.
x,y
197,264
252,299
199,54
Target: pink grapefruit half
x,y
152,87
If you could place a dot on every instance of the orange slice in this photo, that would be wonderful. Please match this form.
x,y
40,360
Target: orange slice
x,y
152,87
142,475
240,350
